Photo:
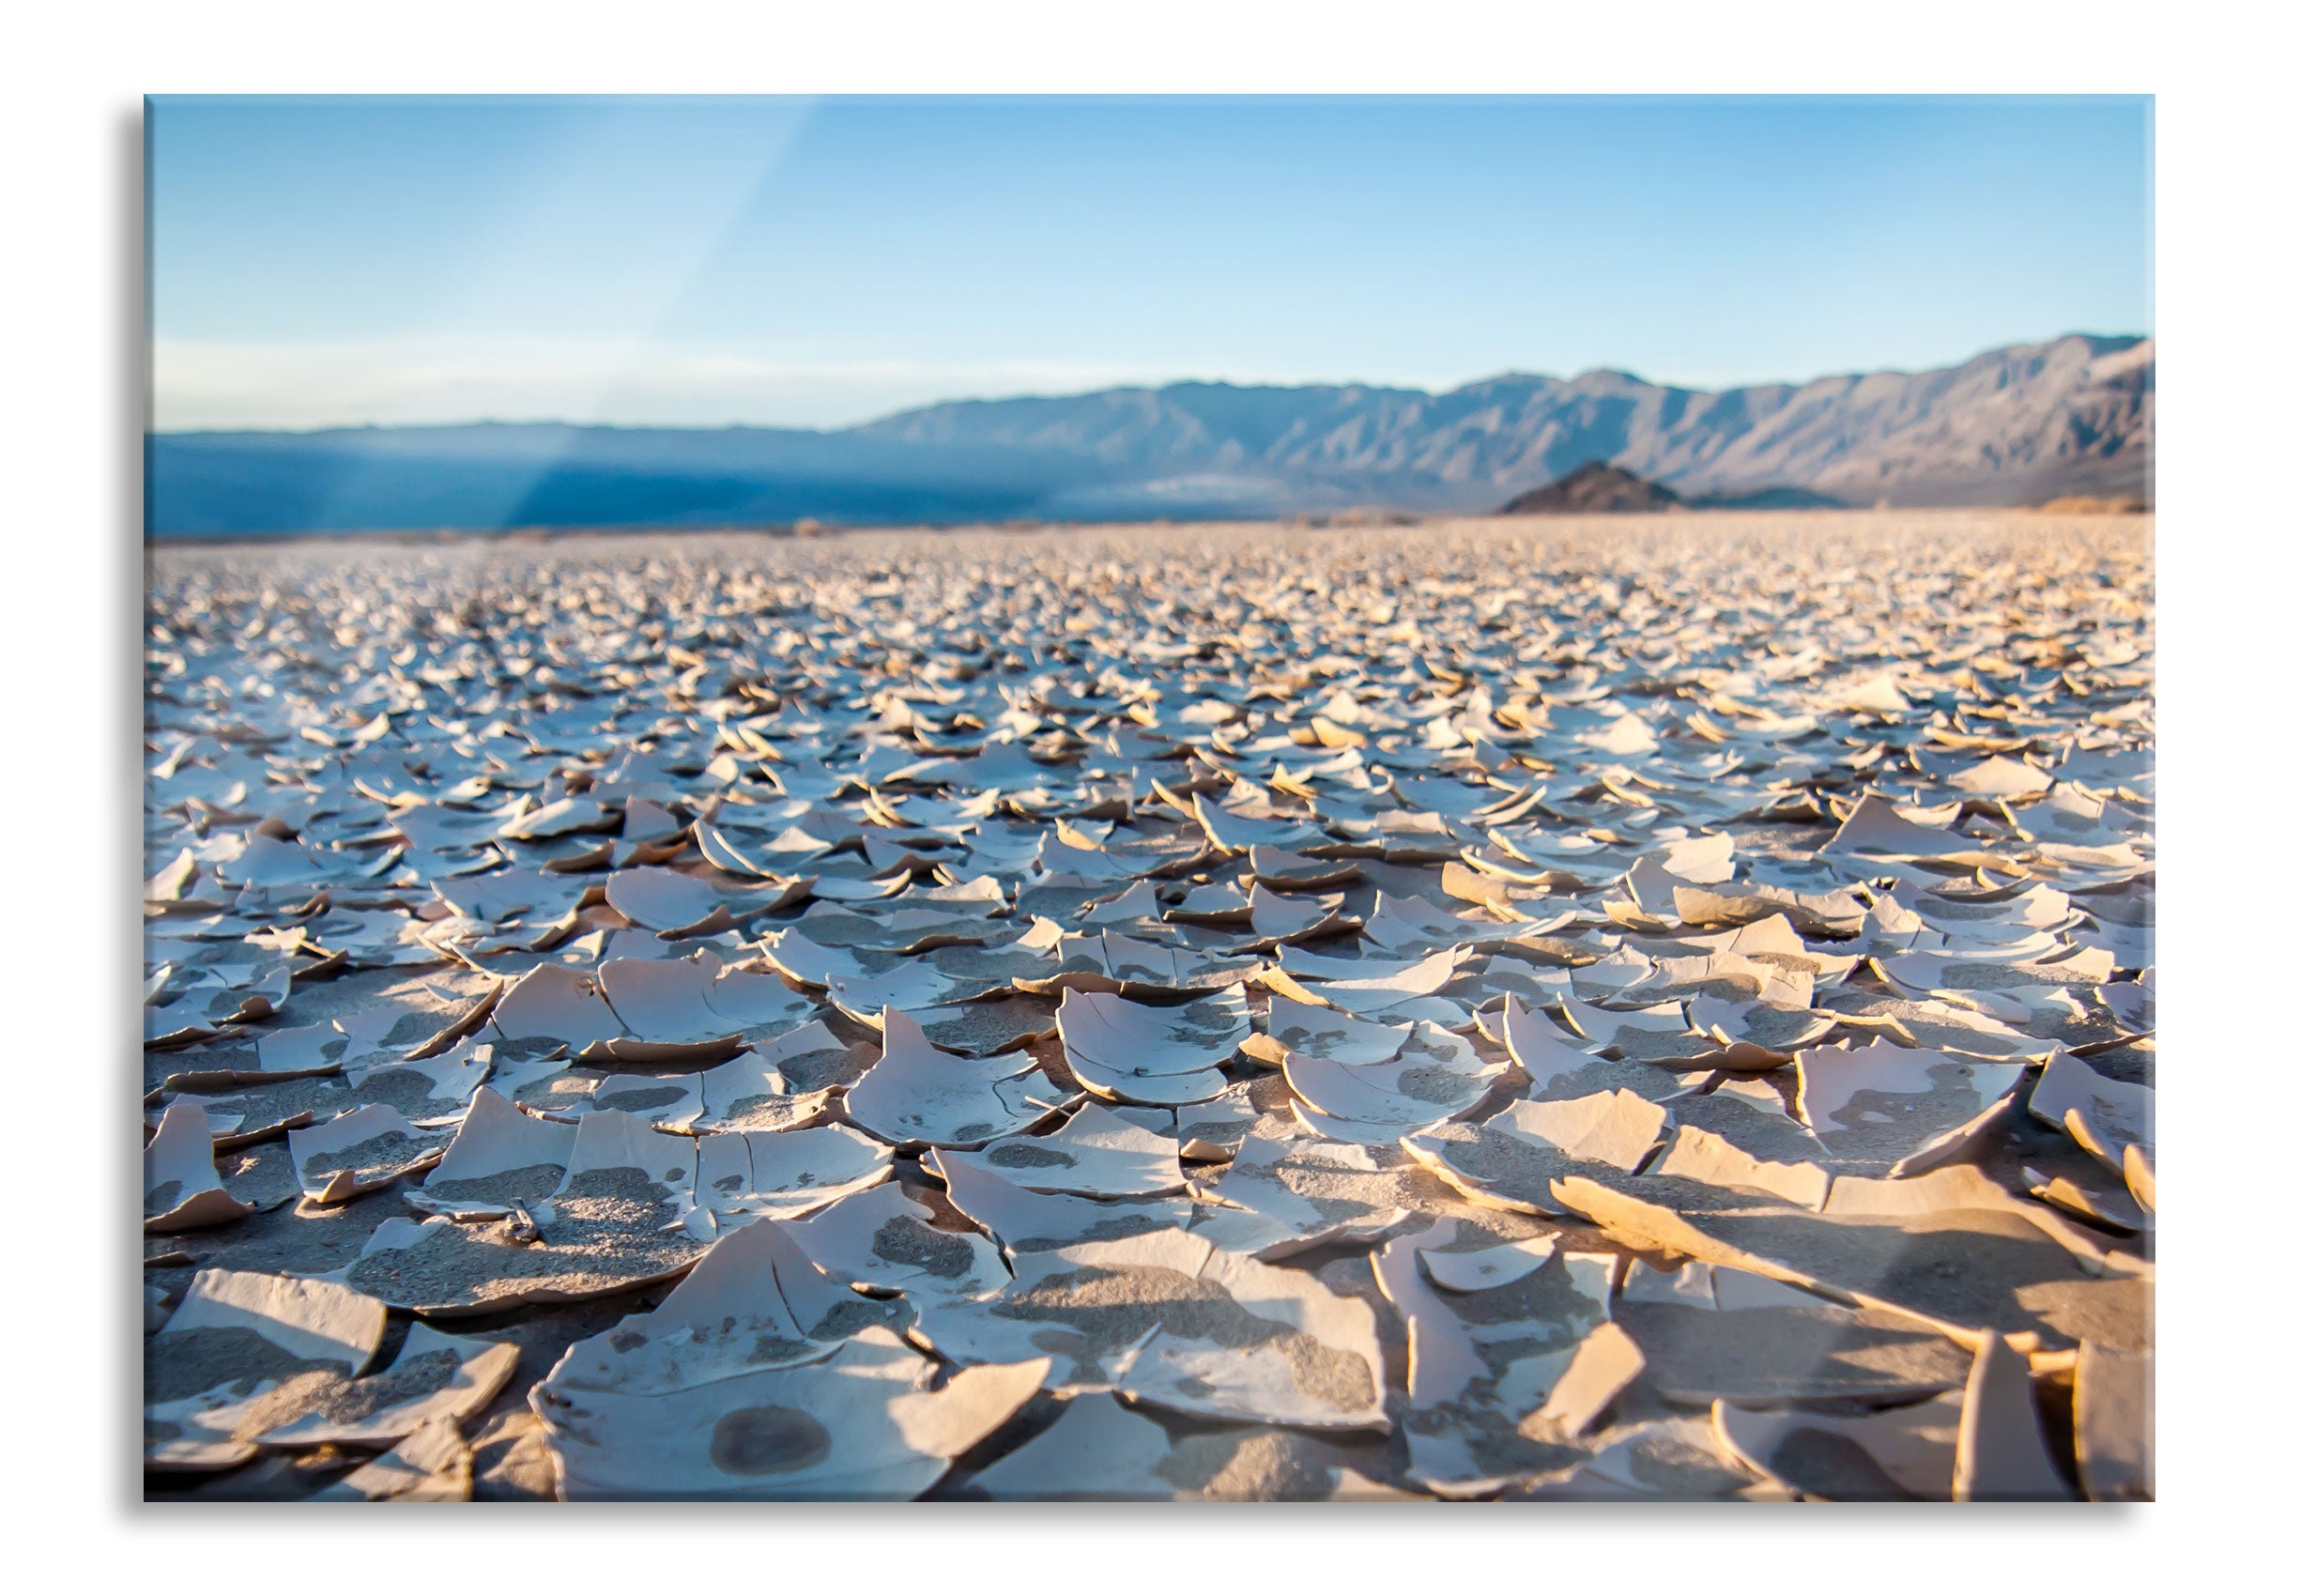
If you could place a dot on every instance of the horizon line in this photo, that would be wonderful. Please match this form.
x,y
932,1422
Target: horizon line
x,y
1506,375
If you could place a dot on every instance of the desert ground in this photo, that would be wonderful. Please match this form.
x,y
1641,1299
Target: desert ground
x,y
1645,1007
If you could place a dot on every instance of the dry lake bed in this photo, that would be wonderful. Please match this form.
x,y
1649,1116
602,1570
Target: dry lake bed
x,y
1644,1009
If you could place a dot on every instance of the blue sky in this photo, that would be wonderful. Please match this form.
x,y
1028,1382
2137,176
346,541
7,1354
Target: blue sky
x,y
819,262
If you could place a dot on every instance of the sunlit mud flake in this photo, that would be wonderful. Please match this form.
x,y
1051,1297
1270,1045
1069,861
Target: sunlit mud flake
x,y
1679,1459
1329,1034
553,1004
892,928
2139,1171
1949,1246
983,1028
1905,1453
1511,1160
1235,832
1027,963
268,862
1484,1361
1772,942
385,939
1100,1449
1266,1463
364,1150
176,882
432,1092
1142,1039
1436,1077
669,1102
1293,872
665,1009
509,895
1022,1220
1370,997
1741,1036
192,1017
1832,914
754,1301
1752,1113
1708,1332
1577,861
1876,828
2115,1404
623,1215
1134,968
1506,975
738,855
880,1240
2098,1202
302,1050
549,1085
668,902
1604,1366
434,1378
1166,1318
1648,1033
1694,1154
785,1173
433,1464
868,1422
2105,1116
501,1160
2133,1003
2001,1450
919,1094
812,964
1458,1309
1556,1068
758,1003
1213,1129
1931,1022
1992,910
1624,735
1136,907
911,986
1278,1198
748,1092
2024,994
813,1059
1096,1153
1094,864
1998,777
1097,1450
1732,991
421,1017
181,1187
1483,1269
1273,919
557,819
237,1338
621,1151
1162,1056
1404,924
1884,1108
1610,977
2077,838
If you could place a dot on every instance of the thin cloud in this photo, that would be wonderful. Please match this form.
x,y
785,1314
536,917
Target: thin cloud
x,y
208,386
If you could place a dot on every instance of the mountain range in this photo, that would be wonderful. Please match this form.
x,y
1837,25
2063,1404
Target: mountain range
x,y
2016,426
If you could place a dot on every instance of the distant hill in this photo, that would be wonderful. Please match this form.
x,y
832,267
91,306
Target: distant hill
x,y
1602,488
1594,489
2018,425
